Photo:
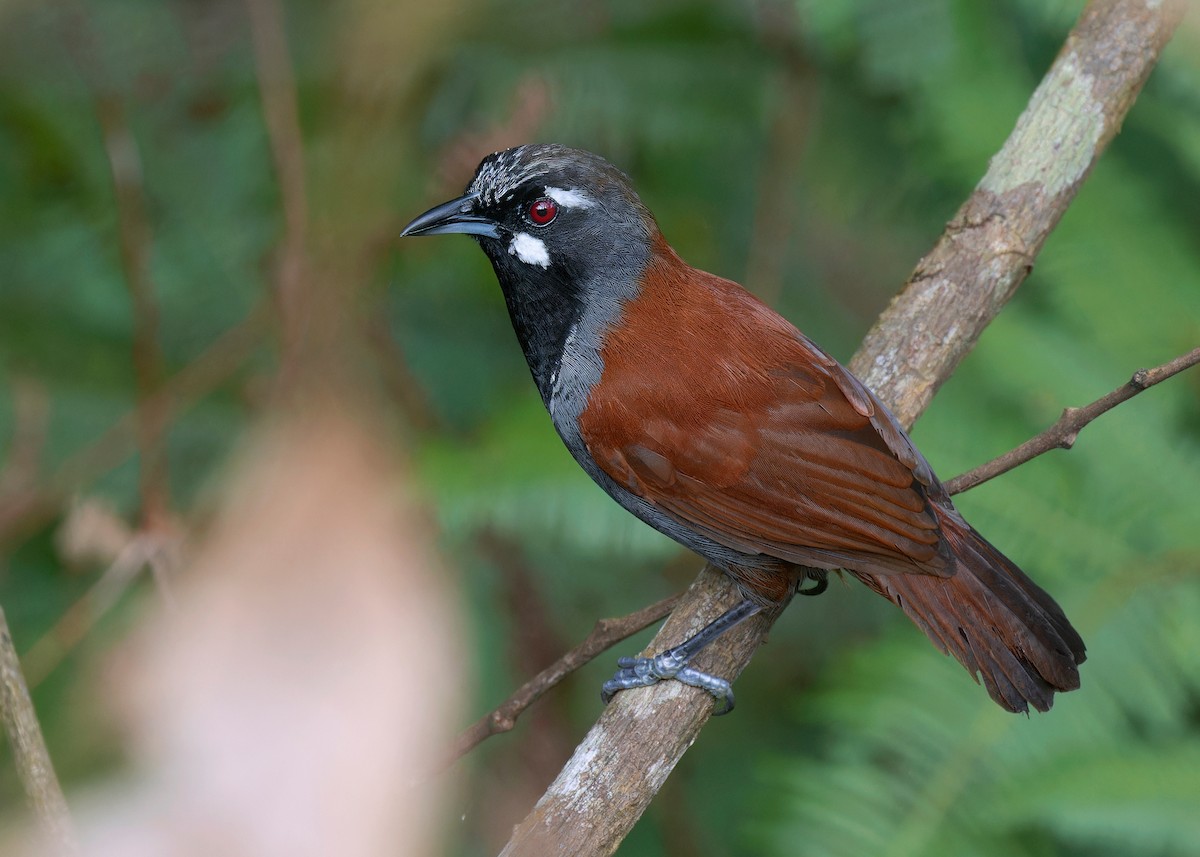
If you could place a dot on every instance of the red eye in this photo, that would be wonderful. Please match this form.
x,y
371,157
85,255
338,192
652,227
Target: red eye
x,y
543,211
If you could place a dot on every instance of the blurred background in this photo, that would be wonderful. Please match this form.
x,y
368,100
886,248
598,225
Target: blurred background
x,y
199,204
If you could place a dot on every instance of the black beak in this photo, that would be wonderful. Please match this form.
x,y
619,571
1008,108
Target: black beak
x,y
453,216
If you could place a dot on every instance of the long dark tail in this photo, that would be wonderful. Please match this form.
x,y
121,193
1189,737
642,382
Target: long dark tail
x,y
1001,626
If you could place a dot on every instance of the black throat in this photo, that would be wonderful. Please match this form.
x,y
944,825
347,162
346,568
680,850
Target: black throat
x,y
545,304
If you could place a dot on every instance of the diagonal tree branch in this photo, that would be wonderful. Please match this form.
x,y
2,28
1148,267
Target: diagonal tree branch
x,y
1063,433
605,634
29,750
955,291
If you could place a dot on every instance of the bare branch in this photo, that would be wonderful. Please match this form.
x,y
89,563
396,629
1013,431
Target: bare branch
x,y
30,424
92,532
776,210
1063,433
29,749
135,239
25,511
277,85
956,290
605,634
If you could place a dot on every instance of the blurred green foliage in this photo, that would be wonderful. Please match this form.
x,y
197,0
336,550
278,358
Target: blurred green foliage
x,y
812,150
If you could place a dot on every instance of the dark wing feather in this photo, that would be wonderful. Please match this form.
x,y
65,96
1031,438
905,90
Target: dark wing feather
x,y
1003,627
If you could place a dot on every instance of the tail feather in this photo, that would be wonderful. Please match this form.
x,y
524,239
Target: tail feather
x,y
999,624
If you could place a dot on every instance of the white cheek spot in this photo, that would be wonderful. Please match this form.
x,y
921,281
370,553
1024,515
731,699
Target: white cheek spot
x,y
530,250
569,198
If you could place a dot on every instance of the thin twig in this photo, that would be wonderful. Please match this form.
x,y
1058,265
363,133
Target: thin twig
x,y
29,749
277,87
135,242
776,208
149,364
531,103
605,634
25,511
30,424
155,550
1063,433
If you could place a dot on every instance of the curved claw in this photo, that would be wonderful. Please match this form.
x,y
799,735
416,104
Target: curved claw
x,y
820,584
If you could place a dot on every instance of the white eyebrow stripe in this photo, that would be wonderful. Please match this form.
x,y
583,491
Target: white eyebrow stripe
x,y
569,198
530,250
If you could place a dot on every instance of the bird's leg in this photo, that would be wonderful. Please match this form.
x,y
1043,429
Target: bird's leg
x,y
673,663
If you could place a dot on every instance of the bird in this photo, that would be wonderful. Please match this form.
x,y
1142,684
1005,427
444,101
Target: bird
x,y
714,420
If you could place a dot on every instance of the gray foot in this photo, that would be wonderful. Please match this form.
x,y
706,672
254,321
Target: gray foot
x,y
643,672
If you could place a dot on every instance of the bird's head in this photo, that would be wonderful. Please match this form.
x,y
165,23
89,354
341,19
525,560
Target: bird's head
x,y
570,243
548,210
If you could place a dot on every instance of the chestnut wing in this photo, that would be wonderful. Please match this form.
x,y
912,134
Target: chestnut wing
x,y
775,450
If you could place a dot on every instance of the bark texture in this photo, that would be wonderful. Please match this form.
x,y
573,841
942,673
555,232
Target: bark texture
x,y
30,756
